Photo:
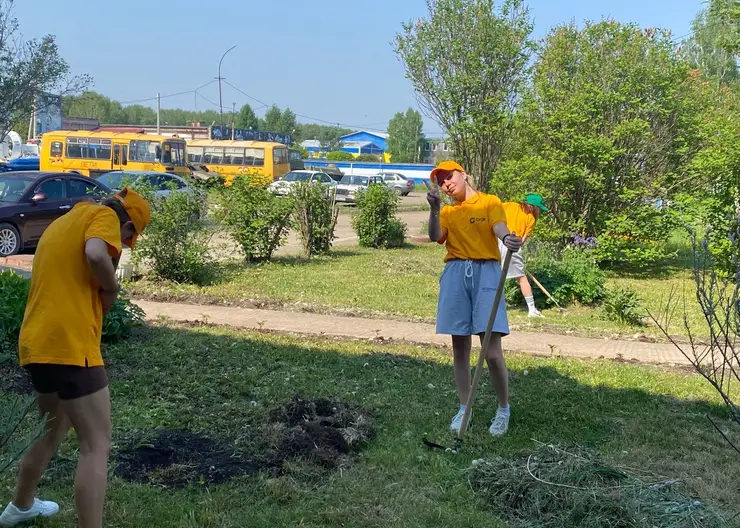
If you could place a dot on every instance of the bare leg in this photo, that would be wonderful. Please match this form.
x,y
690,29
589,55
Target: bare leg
x,y
497,369
525,286
90,417
461,358
37,458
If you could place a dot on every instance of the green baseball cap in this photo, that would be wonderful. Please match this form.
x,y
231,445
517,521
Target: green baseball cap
x,y
536,200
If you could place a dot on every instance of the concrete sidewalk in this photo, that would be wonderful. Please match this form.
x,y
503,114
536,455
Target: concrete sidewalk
x,y
355,327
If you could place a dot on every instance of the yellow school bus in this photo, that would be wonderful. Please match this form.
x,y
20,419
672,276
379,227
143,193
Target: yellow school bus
x,y
93,153
231,158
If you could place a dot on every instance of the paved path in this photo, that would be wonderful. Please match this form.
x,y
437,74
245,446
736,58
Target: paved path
x,y
355,327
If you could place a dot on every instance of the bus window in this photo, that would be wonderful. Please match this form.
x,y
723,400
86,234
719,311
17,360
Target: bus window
x,y
233,156
56,148
213,155
82,148
174,153
254,157
280,156
195,154
146,151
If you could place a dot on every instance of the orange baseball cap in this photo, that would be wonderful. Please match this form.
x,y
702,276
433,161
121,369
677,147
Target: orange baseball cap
x,y
138,210
445,166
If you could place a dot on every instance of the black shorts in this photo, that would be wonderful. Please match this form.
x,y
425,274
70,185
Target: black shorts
x,y
69,382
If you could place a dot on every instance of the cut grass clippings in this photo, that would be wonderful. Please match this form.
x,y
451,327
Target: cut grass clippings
x,y
226,385
404,284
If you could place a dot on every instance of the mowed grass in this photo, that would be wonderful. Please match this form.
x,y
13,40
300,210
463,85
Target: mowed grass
x,y
217,381
404,283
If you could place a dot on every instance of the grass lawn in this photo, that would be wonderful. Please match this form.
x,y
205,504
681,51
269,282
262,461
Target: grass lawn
x,y
402,283
219,382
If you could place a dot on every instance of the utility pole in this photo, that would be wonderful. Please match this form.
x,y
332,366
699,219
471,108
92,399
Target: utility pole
x,y
158,107
220,101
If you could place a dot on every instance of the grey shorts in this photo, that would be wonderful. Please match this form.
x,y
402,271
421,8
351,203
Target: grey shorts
x,y
466,292
516,265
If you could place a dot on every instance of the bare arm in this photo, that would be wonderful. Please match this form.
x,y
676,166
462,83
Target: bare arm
x,y
101,264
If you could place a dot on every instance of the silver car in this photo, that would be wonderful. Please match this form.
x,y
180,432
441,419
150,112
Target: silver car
x,y
282,186
350,184
397,182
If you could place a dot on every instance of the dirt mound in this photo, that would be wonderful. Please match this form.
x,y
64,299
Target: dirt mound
x,y
176,458
322,430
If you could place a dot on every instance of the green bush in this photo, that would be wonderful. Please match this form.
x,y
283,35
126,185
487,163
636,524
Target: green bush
x,y
175,245
339,155
13,296
374,221
636,239
121,319
315,217
368,157
571,277
622,305
257,220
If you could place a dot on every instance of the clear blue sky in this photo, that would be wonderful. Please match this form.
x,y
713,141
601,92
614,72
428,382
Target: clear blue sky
x,y
327,60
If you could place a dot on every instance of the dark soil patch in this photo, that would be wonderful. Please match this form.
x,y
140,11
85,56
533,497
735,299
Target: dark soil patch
x,y
323,432
14,378
177,458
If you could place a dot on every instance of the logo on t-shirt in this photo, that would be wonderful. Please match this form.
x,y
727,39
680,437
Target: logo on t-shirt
x,y
474,219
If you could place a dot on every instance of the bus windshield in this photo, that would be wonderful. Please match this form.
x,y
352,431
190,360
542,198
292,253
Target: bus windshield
x,y
173,153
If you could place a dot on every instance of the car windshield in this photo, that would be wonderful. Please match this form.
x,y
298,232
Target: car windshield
x,y
297,176
354,180
13,187
117,180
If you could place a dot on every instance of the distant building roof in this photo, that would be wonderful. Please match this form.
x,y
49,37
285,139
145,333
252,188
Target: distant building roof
x,y
382,135
314,143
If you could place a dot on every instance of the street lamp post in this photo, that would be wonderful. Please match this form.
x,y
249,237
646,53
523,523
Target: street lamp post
x,y
220,103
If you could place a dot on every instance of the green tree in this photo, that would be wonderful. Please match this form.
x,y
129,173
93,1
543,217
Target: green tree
x,y
712,46
246,118
28,69
608,126
468,63
287,122
93,105
405,137
271,122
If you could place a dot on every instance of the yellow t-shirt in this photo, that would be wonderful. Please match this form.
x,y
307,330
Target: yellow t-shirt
x,y
63,321
467,228
517,220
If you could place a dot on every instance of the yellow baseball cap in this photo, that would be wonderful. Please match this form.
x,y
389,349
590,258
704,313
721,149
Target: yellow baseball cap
x,y
138,210
445,166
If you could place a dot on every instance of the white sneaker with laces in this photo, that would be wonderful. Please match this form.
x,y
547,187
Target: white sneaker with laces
x,y
499,424
14,515
457,420
535,313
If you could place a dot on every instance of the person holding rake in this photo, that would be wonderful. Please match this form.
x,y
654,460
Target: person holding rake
x,y
470,228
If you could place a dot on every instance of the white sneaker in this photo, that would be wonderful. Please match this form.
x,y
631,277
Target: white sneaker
x,y
499,424
13,516
535,313
456,423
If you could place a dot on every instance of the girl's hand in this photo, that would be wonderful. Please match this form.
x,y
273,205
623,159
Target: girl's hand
x,y
512,242
433,196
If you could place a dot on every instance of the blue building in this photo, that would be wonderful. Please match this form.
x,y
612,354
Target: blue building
x,y
363,142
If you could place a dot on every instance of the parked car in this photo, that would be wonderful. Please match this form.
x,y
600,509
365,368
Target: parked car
x,y
31,200
163,183
282,186
398,182
350,184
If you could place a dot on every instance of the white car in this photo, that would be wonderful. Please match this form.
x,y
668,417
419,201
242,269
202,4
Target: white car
x,y
350,184
282,186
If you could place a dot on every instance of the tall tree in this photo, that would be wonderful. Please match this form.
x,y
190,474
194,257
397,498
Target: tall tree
x,y
272,119
29,69
714,44
467,63
287,123
405,137
246,118
609,126
94,106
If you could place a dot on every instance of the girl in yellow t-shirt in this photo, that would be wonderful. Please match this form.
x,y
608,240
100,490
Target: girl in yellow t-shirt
x,y
470,229
521,218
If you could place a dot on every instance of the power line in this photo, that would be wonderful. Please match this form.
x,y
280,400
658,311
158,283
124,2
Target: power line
x,y
168,95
